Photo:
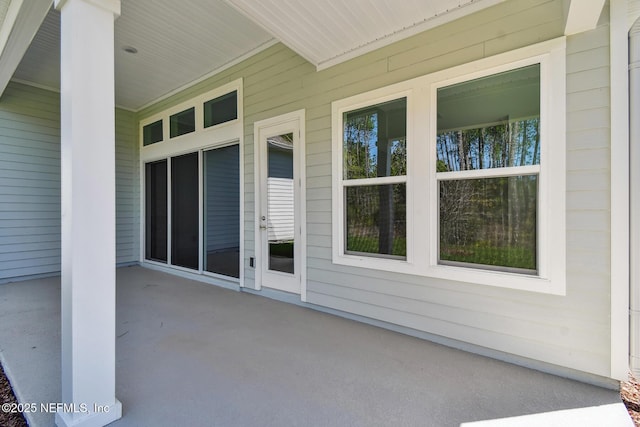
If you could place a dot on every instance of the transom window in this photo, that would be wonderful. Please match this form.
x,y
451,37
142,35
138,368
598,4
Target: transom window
x,y
458,175
172,130
183,122
221,109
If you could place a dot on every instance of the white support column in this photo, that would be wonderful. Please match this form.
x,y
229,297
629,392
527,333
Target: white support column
x,y
634,148
88,212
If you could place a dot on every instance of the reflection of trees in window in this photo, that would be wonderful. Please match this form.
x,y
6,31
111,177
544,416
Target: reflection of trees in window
x,y
490,221
372,228
502,145
487,166
374,143
374,147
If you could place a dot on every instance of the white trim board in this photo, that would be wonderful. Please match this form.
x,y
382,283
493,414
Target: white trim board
x,y
290,120
619,75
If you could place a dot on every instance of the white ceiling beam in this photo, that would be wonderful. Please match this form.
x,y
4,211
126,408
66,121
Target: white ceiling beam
x,y
21,28
583,16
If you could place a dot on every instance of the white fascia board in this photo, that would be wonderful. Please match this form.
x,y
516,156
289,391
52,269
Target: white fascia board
x,y
583,16
24,27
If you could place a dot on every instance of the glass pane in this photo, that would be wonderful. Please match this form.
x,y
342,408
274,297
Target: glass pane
x,y
489,222
375,141
220,110
376,219
152,133
491,122
222,211
280,203
184,211
183,122
156,211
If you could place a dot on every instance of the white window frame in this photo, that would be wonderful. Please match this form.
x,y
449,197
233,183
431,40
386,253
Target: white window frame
x,y
422,180
202,139
359,182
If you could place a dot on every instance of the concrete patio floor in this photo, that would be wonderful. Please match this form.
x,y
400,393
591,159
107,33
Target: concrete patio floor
x,y
194,354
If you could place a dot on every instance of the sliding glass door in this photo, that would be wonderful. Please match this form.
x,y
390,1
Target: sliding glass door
x,y
222,211
156,211
184,211
175,231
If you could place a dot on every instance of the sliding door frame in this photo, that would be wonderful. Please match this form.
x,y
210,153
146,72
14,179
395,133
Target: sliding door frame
x,y
201,140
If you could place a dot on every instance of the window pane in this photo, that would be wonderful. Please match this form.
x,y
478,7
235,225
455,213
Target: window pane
x,y
184,211
281,203
221,109
374,141
183,122
490,122
222,211
156,211
489,222
152,133
376,219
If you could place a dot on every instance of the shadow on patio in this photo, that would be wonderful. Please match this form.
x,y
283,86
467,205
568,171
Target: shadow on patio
x,y
189,353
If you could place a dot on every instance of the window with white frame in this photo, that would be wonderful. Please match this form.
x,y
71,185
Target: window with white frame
x,y
487,169
459,174
374,179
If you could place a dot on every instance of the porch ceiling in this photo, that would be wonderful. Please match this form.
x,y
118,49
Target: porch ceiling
x,y
177,43
180,42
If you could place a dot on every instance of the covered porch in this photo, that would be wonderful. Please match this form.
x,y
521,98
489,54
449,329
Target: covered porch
x,y
188,353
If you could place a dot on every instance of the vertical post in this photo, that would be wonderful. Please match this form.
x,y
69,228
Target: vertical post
x,y
88,212
620,275
634,148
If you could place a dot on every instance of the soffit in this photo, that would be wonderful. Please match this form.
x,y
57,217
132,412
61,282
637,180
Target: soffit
x,y
332,31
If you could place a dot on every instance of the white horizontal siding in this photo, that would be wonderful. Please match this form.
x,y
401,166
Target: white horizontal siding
x,y
280,209
571,331
30,183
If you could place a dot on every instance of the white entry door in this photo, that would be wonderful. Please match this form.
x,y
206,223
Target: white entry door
x,y
279,205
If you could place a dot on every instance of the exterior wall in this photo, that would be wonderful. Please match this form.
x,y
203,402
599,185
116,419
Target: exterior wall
x,y
127,188
570,331
30,183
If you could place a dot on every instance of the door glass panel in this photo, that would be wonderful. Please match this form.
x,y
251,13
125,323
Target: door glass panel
x,y
156,211
280,203
184,211
222,211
